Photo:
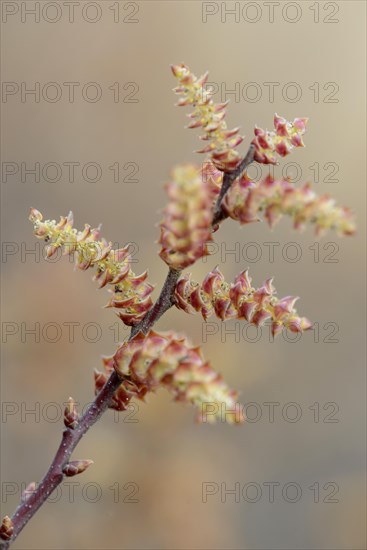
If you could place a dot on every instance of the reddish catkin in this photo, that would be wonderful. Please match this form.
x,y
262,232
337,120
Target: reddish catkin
x,y
210,117
285,136
167,360
186,227
239,300
246,200
130,294
277,198
222,145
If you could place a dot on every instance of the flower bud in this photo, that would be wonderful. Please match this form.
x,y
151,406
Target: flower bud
x,y
70,414
76,467
6,528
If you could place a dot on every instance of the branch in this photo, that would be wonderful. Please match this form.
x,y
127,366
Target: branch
x,y
71,437
55,474
228,179
164,302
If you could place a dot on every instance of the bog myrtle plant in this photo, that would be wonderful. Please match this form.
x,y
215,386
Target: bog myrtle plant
x,y
200,198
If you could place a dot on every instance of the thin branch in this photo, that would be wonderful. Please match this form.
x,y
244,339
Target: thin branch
x,y
164,302
71,437
228,179
55,475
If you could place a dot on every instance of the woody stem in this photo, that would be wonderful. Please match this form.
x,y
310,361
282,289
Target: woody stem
x,y
164,302
55,475
71,437
228,179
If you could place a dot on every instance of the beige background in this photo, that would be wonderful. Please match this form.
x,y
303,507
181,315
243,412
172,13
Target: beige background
x,y
165,453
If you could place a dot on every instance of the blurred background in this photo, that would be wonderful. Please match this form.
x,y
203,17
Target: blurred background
x,y
160,481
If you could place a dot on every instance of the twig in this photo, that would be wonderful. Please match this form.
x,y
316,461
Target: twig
x,y
71,437
228,179
55,474
164,302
